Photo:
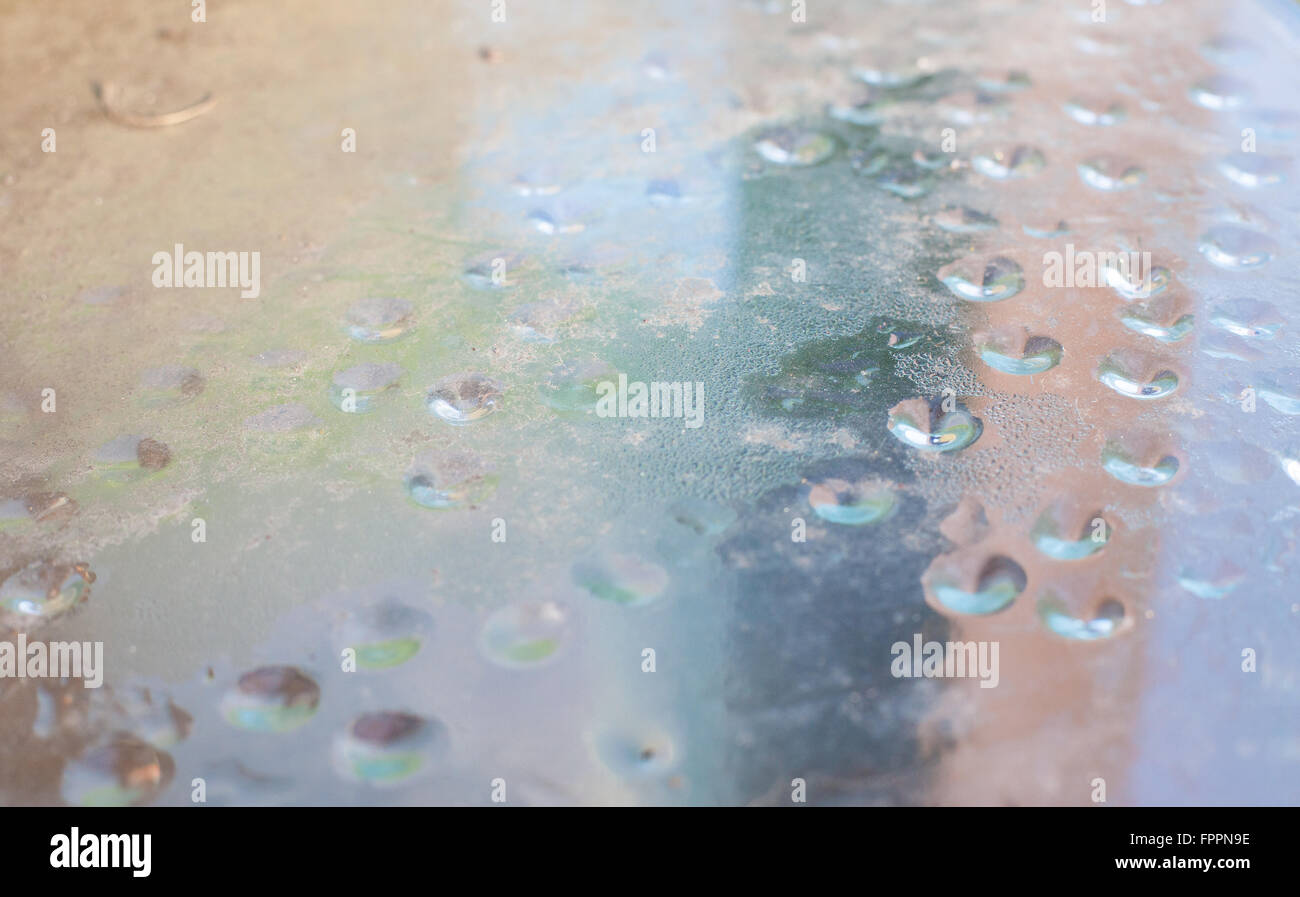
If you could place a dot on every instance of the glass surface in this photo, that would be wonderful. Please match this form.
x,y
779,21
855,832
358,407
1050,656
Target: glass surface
x,y
623,398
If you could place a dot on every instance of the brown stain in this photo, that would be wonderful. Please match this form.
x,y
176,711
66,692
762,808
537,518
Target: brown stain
x,y
1064,711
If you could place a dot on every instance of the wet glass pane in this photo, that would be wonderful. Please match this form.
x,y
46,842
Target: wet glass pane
x,y
750,403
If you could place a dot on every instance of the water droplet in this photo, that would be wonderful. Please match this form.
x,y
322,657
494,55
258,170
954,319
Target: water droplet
x,y
1095,112
452,480
1290,463
1225,345
1004,164
1133,467
525,635
1124,276
890,76
535,183
1210,577
1162,318
924,425
1281,390
795,146
999,582
870,161
539,322
1248,318
355,390
1110,174
562,221
170,384
852,504
1236,248
379,319
462,398
869,111
384,635
1108,620
905,180
999,81
981,279
1013,351
41,591
578,272
705,517
571,386
1253,170
130,457
1133,374
120,770
961,220
655,65
931,159
1046,230
493,270
387,748
271,699
1219,92
1052,532
621,578
972,107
